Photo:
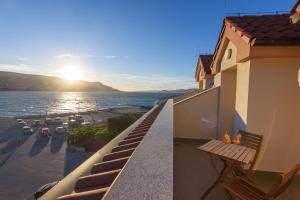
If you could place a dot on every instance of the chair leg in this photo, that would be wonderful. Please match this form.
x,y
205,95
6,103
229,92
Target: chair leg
x,y
215,182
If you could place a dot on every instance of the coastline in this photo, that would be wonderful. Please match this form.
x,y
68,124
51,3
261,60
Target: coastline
x,y
117,110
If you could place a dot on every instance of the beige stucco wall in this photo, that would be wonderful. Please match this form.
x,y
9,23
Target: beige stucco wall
x,y
241,100
227,101
227,80
196,117
217,80
228,63
200,85
208,83
274,111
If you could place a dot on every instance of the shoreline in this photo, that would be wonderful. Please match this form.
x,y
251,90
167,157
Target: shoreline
x,y
110,110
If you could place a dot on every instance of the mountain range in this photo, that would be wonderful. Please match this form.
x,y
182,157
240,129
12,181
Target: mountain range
x,y
11,81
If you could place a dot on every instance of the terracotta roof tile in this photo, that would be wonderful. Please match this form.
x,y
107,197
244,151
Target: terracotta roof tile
x,y
296,7
95,185
205,62
96,180
88,195
120,154
109,165
267,27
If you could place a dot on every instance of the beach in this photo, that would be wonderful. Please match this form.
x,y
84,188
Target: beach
x,y
29,161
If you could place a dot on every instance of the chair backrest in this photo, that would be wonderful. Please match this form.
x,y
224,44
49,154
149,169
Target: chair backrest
x,y
251,140
284,182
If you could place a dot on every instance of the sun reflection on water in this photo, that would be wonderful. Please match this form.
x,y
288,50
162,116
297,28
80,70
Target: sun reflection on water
x,y
71,102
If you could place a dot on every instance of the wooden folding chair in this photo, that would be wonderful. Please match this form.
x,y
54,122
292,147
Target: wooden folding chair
x,y
253,141
243,189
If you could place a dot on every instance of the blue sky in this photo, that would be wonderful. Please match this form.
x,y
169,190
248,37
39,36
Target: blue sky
x,y
130,45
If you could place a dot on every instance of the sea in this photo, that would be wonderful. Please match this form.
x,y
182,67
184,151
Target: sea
x,y
28,103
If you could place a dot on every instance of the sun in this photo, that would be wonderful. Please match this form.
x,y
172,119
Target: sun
x,y
71,73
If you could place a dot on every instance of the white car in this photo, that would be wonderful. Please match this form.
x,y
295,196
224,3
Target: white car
x,y
36,123
85,123
65,125
58,120
19,120
27,130
21,124
60,130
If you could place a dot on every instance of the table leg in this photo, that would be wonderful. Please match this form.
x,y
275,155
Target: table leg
x,y
219,178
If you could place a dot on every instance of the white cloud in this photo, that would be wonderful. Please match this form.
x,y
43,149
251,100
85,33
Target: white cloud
x,y
22,68
67,55
99,56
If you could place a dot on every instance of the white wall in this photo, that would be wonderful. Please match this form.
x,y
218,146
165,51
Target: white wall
x,y
274,111
241,99
196,117
228,63
227,101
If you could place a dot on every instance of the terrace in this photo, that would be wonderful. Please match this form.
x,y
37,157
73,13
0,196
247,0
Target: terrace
x,y
160,167
193,174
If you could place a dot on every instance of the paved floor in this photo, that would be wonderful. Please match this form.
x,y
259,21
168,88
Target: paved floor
x,y
193,174
28,162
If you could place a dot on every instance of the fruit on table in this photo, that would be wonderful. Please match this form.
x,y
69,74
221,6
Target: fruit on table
x,y
226,138
237,139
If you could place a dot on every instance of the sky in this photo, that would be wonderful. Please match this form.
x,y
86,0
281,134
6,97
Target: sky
x,y
131,45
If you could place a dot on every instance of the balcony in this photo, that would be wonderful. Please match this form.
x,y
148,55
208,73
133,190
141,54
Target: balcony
x,y
160,167
193,174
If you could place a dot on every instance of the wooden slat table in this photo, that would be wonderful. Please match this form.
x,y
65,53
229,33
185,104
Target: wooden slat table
x,y
228,153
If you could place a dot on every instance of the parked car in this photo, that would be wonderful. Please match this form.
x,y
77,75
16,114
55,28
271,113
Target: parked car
x,y
36,123
45,188
21,124
45,132
79,119
58,120
60,130
65,125
85,123
71,118
19,120
27,130
73,123
48,121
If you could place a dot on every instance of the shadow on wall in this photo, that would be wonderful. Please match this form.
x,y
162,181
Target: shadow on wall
x,y
239,123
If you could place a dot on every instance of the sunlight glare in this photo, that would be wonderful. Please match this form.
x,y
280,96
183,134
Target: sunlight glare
x,y
71,73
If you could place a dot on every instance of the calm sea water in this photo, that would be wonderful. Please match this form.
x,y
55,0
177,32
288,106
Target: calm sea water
x,y
35,103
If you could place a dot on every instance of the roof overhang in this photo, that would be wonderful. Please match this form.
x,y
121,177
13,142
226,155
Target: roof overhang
x,y
248,48
237,37
200,69
296,8
197,72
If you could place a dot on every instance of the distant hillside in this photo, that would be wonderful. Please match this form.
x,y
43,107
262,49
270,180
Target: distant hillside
x,y
180,90
29,82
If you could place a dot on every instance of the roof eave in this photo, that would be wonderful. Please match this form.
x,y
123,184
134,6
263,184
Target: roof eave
x,y
263,42
294,7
